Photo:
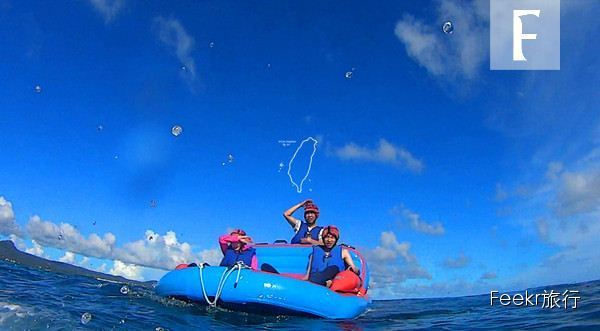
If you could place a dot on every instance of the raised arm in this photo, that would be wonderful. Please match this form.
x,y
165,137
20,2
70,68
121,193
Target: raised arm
x,y
225,239
288,213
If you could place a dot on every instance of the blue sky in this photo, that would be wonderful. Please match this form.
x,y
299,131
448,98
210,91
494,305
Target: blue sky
x,y
453,179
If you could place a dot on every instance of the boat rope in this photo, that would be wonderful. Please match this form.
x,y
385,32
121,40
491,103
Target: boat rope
x,y
226,273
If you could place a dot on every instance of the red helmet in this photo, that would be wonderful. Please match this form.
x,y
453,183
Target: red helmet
x,y
239,232
309,206
333,230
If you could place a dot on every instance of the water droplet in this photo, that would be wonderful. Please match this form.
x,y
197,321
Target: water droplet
x,y
116,157
223,163
124,290
230,158
183,68
38,89
153,203
100,128
176,130
268,65
448,27
122,321
310,190
348,74
211,44
159,328
86,318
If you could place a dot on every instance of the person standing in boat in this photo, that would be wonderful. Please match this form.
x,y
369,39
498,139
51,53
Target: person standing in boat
x,y
235,248
307,232
328,259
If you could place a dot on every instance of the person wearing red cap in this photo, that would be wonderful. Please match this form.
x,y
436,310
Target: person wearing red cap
x,y
329,259
235,247
307,232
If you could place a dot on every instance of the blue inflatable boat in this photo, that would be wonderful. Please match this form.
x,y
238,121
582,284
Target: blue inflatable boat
x,y
244,289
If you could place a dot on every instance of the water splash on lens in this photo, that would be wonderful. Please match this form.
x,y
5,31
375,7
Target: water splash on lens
x,y
86,318
448,27
176,130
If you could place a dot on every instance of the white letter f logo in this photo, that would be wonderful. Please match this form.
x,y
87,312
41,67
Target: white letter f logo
x,y
518,35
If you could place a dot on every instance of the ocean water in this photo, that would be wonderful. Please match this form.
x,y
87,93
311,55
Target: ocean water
x,y
32,299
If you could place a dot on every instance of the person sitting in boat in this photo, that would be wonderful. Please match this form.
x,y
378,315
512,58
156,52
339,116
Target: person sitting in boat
x,y
235,248
307,232
329,259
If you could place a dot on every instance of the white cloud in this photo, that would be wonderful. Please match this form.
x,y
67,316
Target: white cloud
x,y
420,225
501,193
129,271
8,225
458,262
541,227
84,261
172,33
155,250
566,205
391,263
579,192
102,268
554,168
18,241
454,55
489,275
577,262
37,249
65,236
69,257
384,153
211,256
109,9
164,252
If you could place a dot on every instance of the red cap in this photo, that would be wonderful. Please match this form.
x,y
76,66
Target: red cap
x,y
239,232
309,206
333,230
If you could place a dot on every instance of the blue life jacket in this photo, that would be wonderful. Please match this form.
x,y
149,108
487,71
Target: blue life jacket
x,y
319,261
314,233
232,256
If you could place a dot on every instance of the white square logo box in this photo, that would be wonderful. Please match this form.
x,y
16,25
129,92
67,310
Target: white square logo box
x,y
525,34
